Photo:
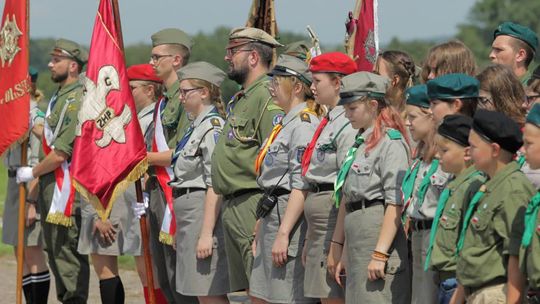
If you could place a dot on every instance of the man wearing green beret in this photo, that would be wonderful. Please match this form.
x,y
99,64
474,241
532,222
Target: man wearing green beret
x,y
171,51
251,115
514,45
71,269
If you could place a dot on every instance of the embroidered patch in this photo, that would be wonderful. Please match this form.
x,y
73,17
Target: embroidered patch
x,y
277,119
300,154
538,228
320,155
474,220
443,218
216,136
230,134
215,122
305,117
268,159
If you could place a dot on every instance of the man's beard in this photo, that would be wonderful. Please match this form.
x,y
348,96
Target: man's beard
x,y
58,78
239,74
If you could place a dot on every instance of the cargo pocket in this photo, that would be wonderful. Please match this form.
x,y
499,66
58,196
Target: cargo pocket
x,y
363,169
449,230
239,128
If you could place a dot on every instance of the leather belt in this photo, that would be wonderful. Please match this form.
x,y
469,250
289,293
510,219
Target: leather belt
x,y
323,187
362,204
177,192
240,193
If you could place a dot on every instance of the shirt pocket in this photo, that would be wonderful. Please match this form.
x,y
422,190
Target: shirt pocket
x,y
448,230
438,181
481,223
362,171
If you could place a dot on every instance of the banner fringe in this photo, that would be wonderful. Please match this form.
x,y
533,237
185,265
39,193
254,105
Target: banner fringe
x,y
58,218
166,238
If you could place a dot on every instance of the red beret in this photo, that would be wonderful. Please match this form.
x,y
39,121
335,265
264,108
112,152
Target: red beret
x,y
334,62
143,72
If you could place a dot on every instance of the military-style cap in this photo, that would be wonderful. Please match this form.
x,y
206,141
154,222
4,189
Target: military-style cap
x,y
498,128
333,62
71,49
534,115
417,96
33,72
144,72
517,31
456,128
362,84
172,36
242,35
202,70
292,66
299,49
452,86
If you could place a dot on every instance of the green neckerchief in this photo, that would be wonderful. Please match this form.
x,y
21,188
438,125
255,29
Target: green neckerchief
x,y
530,220
344,170
424,185
470,209
407,186
443,199
409,181
521,160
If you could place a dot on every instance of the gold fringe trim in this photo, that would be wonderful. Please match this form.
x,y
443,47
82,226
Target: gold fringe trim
x,y
58,218
166,238
137,172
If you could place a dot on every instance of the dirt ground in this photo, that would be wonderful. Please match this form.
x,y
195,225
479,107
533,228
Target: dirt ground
x,y
132,286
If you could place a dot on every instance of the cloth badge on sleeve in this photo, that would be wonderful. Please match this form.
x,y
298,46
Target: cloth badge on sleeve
x,y
277,119
269,159
216,136
230,134
300,154
320,155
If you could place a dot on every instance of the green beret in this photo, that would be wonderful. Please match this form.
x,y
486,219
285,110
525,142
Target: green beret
x,y
71,49
517,31
172,36
417,96
202,70
361,84
534,115
33,72
299,49
498,128
243,35
292,66
452,86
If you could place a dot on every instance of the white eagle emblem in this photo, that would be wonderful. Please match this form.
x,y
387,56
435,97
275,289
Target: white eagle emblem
x,y
9,40
94,107
370,47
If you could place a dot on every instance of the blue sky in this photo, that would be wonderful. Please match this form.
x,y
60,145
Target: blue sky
x,y
405,19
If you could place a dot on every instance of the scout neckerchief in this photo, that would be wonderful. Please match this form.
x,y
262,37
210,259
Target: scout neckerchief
x,y
408,184
309,149
521,160
344,170
470,209
445,195
64,192
530,220
164,176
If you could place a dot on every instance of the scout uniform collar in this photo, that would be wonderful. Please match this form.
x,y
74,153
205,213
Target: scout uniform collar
x,y
67,88
149,109
501,176
258,82
173,90
209,110
462,177
367,132
336,112
293,113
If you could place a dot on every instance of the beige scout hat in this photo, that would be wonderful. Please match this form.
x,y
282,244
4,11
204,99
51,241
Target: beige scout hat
x,y
202,70
288,65
172,36
361,84
243,35
71,49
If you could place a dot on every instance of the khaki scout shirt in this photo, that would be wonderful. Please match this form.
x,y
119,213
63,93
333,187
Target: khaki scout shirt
x,y
174,118
284,156
331,148
193,166
146,119
530,258
495,229
426,210
462,189
378,174
250,119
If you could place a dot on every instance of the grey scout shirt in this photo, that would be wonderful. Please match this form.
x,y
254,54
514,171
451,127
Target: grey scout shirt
x,y
378,174
284,156
13,155
331,148
193,166
146,119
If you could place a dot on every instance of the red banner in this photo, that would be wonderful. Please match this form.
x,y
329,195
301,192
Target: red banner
x,y
14,79
363,29
109,151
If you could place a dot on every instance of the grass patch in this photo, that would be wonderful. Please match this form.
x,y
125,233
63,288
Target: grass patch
x,y
5,249
127,262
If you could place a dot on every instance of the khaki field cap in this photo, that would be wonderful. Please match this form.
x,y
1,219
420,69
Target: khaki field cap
x,y
243,35
362,84
71,49
172,36
288,65
202,70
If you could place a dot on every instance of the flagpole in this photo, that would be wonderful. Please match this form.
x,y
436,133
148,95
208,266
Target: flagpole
x,y
22,189
138,185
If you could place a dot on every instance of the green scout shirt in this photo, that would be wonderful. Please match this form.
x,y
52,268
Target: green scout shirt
x,y
495,228
250,119
529,258
462,189
525,78
174,118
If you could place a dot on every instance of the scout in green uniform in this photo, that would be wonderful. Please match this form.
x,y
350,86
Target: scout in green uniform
x,y
529,254
514,45
171,51
367,191
251,116
278,273
489,240
71,269
532,90
452,142
452,94
36,277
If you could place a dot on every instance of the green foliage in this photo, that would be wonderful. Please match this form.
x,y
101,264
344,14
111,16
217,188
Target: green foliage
x,y
417,49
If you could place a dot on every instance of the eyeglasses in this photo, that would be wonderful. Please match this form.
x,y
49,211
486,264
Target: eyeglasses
x,y
156,57
184,92
233,51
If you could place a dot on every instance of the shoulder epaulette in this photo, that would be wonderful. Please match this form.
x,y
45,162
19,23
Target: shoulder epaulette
x,y
394,134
